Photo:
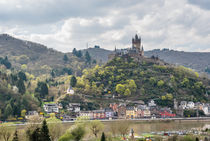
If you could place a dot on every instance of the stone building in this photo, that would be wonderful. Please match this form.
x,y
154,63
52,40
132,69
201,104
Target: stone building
x,y
136,51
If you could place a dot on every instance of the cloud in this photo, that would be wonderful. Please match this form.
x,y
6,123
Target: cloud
x,y
73,24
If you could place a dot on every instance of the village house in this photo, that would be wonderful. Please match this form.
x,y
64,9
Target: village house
x,y
114,107
152,103
70,90
86,114
183,104
121,111
143,111
51,108
74,107
131,112
109,113
166,113
31,114
190,105
99,114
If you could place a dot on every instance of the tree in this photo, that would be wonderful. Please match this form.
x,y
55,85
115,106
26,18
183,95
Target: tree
x,y
120,88
103,138
132,86
160,83
74,51
21,86
73,81
78,133
5,132
65,58
87,57
96,127
8,111
52,73
23,113
22,76
123,127
15,138
127,92
45,132
42,89
55,131
36,135
79,54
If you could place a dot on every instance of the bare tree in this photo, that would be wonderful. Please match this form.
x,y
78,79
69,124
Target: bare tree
x,y
96,127
55,131
6,132
123,127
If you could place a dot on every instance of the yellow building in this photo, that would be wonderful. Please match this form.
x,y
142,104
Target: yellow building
x,y
131,113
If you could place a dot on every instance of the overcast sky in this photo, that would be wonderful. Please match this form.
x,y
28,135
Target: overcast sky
x,y
67,24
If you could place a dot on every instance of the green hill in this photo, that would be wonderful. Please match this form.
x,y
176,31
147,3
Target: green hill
x,y
143,80
37,59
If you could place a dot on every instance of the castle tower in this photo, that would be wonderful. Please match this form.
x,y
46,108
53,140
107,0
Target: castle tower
x,y
136,42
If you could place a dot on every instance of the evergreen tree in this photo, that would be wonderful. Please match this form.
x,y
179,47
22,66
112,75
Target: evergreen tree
x,y
87,57
74,51
5,62
36,135
8,111
73,81
52,73
65,58
15,138
79,54
22,76
103,138
45,132
21,86
42,89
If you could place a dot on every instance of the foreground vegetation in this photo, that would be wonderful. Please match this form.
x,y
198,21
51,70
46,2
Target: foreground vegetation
x,y
41,130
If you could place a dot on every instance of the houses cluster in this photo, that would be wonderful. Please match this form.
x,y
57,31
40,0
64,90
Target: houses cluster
x,y
125,111
114,111
190,105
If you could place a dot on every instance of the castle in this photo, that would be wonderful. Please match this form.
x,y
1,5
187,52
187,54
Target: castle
x,y
136,51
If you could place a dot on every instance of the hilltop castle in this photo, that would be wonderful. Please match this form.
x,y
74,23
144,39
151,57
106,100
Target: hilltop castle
x,y
136,51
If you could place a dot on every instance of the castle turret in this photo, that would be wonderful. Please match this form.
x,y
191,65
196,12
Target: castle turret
x,y
136,42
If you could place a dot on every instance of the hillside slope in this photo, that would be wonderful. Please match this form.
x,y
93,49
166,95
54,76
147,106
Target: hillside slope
x,y
99,54
144,80
36,58
199,61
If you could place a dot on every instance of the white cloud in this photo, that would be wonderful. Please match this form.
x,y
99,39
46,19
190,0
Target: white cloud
x,y
66,25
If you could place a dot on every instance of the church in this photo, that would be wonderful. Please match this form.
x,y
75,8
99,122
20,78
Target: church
x,y
136,51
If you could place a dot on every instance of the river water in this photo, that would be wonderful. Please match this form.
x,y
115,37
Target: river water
x,y
157,126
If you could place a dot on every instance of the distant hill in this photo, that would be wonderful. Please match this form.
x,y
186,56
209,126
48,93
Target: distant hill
x,y
36,58
199,61
99,54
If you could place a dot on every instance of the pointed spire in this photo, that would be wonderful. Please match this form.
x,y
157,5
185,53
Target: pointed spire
x,y
115,49
136,36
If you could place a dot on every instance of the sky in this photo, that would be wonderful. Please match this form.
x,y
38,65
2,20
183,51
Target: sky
x,y
66,24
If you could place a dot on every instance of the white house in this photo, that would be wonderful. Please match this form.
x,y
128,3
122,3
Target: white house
x,y
74,107
183,104
51,108
70,90
151,103
87,114
190,105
